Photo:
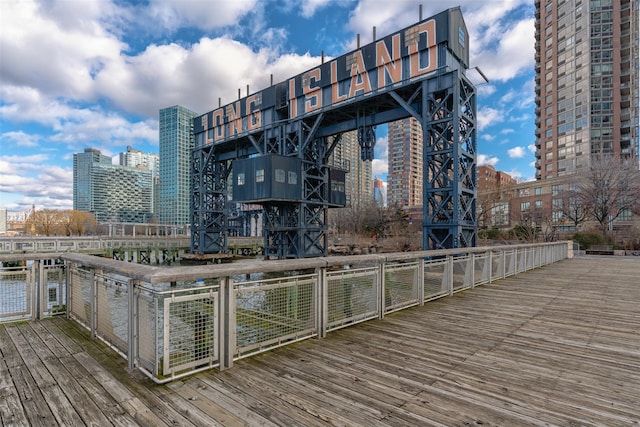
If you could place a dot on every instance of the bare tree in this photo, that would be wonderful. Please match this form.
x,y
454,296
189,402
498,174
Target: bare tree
x,y
79,222
44,222
609,188
575,208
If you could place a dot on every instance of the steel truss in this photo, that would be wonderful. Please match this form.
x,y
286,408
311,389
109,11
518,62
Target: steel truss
x,y
298,229
445,106
209,202
450,141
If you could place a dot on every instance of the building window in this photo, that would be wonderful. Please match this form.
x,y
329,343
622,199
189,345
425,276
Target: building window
x,y
624,214
538,191
293,178
280,175
524,206
260,175
241,179
556,189
538,204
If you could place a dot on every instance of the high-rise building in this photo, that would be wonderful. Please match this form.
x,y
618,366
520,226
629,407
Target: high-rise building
x,y
358,184
176,145
404,177
111,192
135,158
150,161
84,190
586,83
378,192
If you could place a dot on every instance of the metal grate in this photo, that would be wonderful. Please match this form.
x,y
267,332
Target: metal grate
x,y
401,285
150,322
80,295
190,330
274,312
480,269
352,296
461,273
435,279
112,308
16,289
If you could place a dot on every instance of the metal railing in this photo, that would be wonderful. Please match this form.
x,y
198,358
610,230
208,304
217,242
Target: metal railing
x,y
172,322
39,245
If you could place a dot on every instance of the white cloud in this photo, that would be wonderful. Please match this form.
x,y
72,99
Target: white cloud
x,y
516,152
532,148
174,14
50,183
20,139
309,7
484,160
488,116
380,165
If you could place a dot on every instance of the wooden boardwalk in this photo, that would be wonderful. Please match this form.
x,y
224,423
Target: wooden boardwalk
x,y
555,346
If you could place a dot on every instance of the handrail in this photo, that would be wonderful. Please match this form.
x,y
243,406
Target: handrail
x,y
173,321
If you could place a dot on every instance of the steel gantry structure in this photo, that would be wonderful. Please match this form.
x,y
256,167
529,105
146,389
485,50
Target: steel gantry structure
x,y
275,143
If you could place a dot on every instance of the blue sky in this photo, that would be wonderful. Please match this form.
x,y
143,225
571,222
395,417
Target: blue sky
x,y
77,73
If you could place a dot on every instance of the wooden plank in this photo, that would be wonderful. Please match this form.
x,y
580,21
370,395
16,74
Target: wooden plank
x,y
217,415
105,362
30,358
35,407
11,410
283,399
556,346
125,398
233,397
83,404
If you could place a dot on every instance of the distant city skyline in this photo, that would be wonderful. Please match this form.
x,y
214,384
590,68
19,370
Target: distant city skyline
x,y
124,61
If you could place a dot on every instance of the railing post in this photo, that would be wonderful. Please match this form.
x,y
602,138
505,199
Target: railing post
x,y
133,321
41,287
322,301
68,288
227,323
450,274
421,281
470,274
381,291
93,321
488,266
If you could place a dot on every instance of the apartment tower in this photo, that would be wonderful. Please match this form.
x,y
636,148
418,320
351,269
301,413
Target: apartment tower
x,y
113,193
586,83
404,177
358,181
176,144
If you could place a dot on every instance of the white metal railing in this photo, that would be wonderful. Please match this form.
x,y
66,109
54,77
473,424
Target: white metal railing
x,y
171,322
22,244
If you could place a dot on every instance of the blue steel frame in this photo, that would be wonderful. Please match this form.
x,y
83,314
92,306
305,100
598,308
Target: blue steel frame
x,y
443,101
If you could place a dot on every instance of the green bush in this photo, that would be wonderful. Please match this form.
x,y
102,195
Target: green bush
x,y
490,234
588,239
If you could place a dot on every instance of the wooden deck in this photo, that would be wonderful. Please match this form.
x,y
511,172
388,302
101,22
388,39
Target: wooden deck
x,y
554,346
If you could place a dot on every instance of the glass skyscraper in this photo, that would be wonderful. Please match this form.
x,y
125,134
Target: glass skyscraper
x,y
586,83
176,144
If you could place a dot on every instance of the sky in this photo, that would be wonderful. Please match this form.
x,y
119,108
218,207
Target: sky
x,y
78,74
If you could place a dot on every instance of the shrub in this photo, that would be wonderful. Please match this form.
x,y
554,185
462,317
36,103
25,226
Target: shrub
x,y
588,239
